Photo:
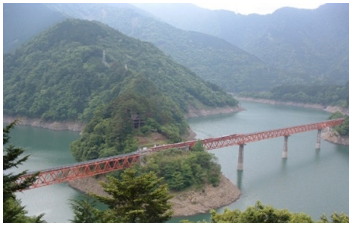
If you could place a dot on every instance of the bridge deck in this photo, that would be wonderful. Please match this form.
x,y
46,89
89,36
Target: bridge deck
x,y
106,165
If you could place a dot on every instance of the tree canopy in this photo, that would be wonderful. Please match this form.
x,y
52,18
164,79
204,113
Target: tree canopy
x,y
334,95
136,198
342,130
260,213
139,109
182,169
77,66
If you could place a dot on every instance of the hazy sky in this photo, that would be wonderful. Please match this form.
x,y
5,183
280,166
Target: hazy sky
x,y
259,7
248,6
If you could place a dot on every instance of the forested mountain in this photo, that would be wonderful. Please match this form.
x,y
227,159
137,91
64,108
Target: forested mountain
x,y
312,42
299,47
333,95
211,58
77,66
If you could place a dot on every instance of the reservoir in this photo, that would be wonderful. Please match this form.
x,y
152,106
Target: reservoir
x,y
309,180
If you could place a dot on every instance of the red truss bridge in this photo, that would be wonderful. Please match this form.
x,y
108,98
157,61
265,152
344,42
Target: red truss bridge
x,y
120,162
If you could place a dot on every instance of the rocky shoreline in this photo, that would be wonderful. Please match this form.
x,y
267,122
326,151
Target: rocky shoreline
x,y
185,203
53,125
331,136
194,113
330,109
79,126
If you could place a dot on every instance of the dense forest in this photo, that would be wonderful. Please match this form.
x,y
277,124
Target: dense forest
x,y
342,130
309,42
255,54
333,95
77,66
183,169
211,58
138,110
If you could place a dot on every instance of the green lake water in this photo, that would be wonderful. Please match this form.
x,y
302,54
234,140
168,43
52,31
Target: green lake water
x,y
309,180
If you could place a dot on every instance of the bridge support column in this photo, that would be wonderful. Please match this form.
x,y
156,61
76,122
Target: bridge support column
x,y
284,153
317,145
240,158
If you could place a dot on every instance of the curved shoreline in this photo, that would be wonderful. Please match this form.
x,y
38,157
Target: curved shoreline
x,y
184,203
331,136
330,109
79,126
53,125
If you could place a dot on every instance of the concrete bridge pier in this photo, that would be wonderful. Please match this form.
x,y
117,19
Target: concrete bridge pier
x,y
240,158
284,153
317,145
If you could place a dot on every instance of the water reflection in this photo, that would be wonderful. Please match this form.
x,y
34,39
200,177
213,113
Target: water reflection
x,y
239,179
283,164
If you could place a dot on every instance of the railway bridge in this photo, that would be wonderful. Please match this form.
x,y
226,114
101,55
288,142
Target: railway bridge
x,y
120,162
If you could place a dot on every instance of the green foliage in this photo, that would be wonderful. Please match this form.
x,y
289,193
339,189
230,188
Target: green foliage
x,y
198,146
211,58
312,94
335,218
13,212
136,199
183,169
259,214
312,43
342,130
111,131
85,211
77,67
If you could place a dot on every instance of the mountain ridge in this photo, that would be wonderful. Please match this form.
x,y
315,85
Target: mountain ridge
x,y
72,52
295,40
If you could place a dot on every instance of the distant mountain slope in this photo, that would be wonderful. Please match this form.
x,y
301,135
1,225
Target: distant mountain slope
x,y
21,22
77,66
313,42
213,59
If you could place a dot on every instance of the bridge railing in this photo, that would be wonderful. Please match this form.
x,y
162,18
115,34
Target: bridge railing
x,y
106,165
238,139
81,170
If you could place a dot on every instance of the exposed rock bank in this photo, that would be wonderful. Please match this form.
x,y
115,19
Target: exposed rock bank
x,y
202,201
185,203
53,125
193,112
79,126
333,137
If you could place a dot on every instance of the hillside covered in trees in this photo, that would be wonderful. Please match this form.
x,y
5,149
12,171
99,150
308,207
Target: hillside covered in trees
x,y
309,43
77,66
333,95
256,53
211,58
121,87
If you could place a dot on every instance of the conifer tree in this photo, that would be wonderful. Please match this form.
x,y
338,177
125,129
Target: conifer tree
x,y
13,211
85,211
136,198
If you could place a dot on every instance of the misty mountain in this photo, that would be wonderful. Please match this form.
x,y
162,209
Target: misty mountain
x,y
211,58
78,66
21,22
284,60
314,42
